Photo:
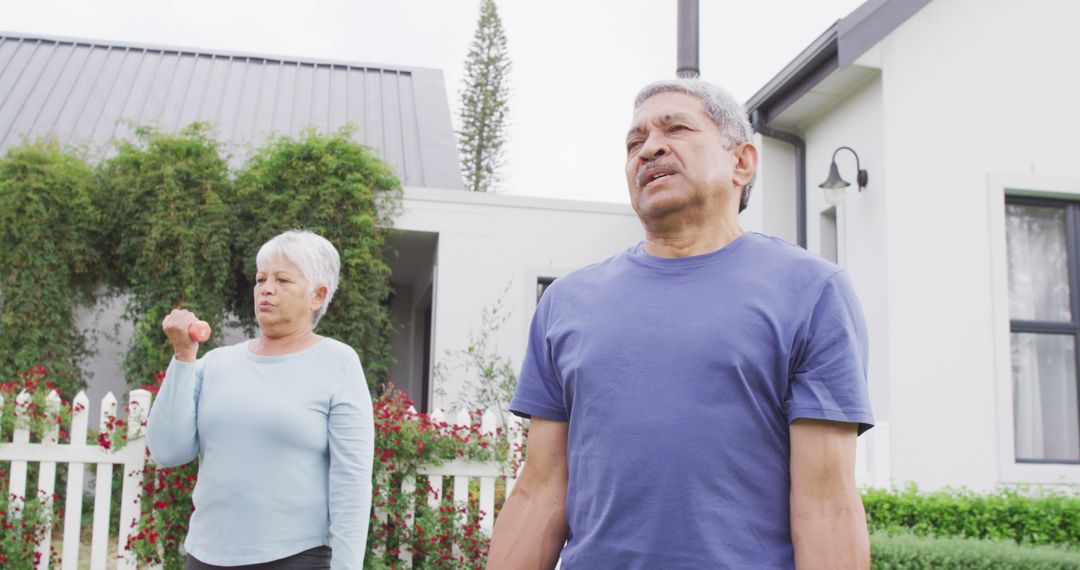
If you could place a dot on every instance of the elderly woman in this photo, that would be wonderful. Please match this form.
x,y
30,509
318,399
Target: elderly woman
x,y
282,425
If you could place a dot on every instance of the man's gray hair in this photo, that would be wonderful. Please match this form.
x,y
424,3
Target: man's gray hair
x,y
312,254
728,115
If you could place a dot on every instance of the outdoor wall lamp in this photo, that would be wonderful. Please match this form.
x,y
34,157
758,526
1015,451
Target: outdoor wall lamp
x,y
834,185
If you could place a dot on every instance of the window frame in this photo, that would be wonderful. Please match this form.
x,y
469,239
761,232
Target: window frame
x,y
1057,328
542,283
1002,428
530,277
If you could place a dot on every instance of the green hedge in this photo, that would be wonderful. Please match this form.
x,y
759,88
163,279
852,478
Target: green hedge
x,y
164,200
909,551
166,221
48,263
333,186
1024,517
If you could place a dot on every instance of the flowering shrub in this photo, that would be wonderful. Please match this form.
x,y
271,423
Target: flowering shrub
x,y
166,510
166,506
22,532
442,534
404,441
33,411
24,521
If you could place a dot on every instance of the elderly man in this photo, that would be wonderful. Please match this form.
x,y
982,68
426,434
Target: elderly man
x,y
695,400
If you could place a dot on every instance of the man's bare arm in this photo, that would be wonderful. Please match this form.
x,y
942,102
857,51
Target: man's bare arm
x,y
828,523
531,527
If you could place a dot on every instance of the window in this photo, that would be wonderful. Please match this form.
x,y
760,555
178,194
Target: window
x,y
1043,249
542,283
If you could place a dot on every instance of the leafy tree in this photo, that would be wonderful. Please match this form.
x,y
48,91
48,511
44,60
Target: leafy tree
x,y
167,229
338,189
48,262
485,102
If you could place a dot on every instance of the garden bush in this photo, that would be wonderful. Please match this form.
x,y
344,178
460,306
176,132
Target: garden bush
x,y
165,222
1024,516
404,441
23,529
342,191
168,224
48,263
908,551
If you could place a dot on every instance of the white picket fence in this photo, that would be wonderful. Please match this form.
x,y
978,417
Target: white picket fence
x,y
461,471
78,454
132,459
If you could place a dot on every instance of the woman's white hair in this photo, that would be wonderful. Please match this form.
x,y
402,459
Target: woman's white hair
x,y
728,115
312,254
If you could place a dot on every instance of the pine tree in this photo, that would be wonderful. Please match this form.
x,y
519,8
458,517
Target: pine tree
x,y
485,101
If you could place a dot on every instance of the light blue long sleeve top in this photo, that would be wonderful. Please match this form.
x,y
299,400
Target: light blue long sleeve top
x,y
285,445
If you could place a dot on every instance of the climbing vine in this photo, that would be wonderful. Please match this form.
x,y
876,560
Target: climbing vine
x,y
48,262
164,201
338,189
165,222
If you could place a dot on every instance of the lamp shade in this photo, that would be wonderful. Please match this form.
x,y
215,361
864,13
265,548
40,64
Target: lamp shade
x,y
834,181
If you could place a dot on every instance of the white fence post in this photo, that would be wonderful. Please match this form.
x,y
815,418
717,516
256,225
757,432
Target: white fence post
x,y
47,477
102,494
382,486
77,453
131,496
408,487
80,415
438,417
487,484
17,484
461,483
515,436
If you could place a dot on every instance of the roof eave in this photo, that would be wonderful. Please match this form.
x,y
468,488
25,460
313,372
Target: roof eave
x,y
843,43
813,64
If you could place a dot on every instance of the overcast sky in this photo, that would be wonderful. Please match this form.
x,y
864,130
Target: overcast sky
x,y
576,63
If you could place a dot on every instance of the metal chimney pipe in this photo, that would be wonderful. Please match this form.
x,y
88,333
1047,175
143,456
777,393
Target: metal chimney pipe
x,y
687,64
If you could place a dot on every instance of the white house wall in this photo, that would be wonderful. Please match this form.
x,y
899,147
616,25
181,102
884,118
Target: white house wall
x,y
489,242
861,226
970,93
402,340
774,191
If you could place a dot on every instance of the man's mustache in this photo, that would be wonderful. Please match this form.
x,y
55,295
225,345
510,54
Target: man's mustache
x,y
646,172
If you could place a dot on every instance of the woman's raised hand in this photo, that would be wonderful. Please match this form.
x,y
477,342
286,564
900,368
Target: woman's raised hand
x,y
185,331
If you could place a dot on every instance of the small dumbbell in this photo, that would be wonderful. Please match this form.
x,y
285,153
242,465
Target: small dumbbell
x,y
199,331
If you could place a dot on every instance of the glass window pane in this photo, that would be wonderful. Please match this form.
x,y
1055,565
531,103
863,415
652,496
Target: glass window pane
x,y
1044,397
1038,269
542,283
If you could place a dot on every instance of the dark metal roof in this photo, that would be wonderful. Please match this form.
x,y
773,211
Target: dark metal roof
x,y
835,49
90,92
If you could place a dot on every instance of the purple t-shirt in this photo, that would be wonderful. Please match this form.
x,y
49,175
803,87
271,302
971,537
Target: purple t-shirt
x,y
679,378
